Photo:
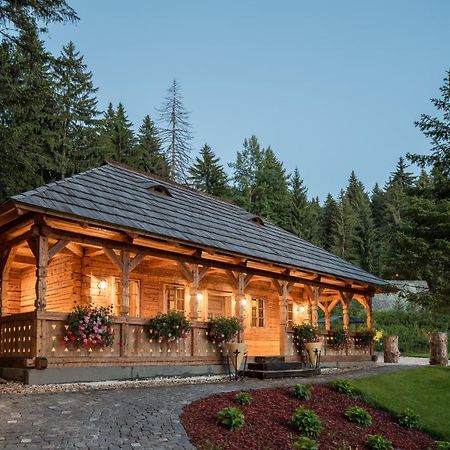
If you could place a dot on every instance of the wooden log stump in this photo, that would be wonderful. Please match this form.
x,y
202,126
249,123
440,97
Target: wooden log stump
x,y
390,349
438,348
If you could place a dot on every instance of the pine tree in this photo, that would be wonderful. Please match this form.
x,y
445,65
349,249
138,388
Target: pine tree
x,y
207,174
28,115
18,17
244,172
314,220
329,218
271,195
424,237
175,132
77,113
148,155
298,206
117,136
344,229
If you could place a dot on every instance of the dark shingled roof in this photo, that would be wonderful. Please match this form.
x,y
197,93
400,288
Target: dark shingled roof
x,y
117,195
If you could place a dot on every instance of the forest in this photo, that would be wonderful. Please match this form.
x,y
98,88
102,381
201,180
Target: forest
x,y
51,127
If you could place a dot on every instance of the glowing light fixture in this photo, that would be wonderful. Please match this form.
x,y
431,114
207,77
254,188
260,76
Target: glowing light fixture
x,y
301,309
102,285
199,296
243,301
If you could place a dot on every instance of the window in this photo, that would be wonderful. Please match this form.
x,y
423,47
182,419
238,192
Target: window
x,y
290,315
134,296
174,298
257,312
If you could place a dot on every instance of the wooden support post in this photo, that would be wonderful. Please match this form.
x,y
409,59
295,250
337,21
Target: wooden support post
x,y
346,298
284,291
125,283
195,291
39,247
369,311
314,307
6,259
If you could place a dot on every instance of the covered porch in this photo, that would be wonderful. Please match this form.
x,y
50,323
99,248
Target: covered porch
x,y
49,264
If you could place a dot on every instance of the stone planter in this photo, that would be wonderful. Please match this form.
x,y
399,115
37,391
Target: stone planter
x,y
236,351
311,348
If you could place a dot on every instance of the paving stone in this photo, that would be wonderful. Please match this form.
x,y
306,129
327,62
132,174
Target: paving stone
x,y
137,418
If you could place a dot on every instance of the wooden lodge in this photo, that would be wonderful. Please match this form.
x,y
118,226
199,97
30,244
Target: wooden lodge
x,y
115,236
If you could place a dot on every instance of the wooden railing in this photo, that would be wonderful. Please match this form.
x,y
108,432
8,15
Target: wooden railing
x,y
351,348
40,334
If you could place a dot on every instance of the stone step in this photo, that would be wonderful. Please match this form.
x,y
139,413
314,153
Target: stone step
x,y
269,359
276,366
270,374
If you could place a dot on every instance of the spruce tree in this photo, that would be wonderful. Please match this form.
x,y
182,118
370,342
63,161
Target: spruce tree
x,y
344,229
314,232
175,132
207,174
28,115
117,139
329,218
148,154
298,206
271,195
424,237
18,17
78,113
244,172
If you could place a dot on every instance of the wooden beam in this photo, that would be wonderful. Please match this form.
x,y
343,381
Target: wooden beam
x,y
21,259
93,251
111,254
203,272
111,244
75,249
233,279
6,260
136,261
186,271
62,243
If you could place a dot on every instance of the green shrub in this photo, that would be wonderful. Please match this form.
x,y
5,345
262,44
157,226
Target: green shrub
x,y
304,443
340,337
243,398
408,418
306,422
168,327
343,386
377,442
231,417
223,329
305,333
301,392
443,445
359,415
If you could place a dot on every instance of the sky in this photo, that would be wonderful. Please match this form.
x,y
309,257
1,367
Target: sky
x,y
331,86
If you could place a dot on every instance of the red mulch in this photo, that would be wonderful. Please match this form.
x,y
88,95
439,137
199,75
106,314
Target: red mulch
x,y
267,422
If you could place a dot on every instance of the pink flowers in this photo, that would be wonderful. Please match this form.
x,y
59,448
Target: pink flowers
x,y
89,327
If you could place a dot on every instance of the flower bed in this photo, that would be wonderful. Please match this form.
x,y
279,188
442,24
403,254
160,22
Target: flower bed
x,y
268,422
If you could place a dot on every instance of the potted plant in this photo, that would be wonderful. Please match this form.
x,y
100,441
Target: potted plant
x,y
225,330
307,337
168,327
89,327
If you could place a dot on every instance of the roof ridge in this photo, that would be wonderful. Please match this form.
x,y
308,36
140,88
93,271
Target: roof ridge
x,y
171,182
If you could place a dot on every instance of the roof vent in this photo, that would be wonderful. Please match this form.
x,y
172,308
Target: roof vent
x,y
256,219
158,189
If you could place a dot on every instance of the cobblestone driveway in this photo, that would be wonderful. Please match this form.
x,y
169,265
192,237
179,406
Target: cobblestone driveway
x,y
135,418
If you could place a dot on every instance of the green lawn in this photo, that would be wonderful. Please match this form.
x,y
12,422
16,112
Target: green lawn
x,y
425,390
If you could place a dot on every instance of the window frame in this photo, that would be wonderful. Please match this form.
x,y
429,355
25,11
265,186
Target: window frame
x,y
177,287
258,320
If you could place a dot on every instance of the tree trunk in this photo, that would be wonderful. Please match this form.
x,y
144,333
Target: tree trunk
x,y
390,348
438,348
